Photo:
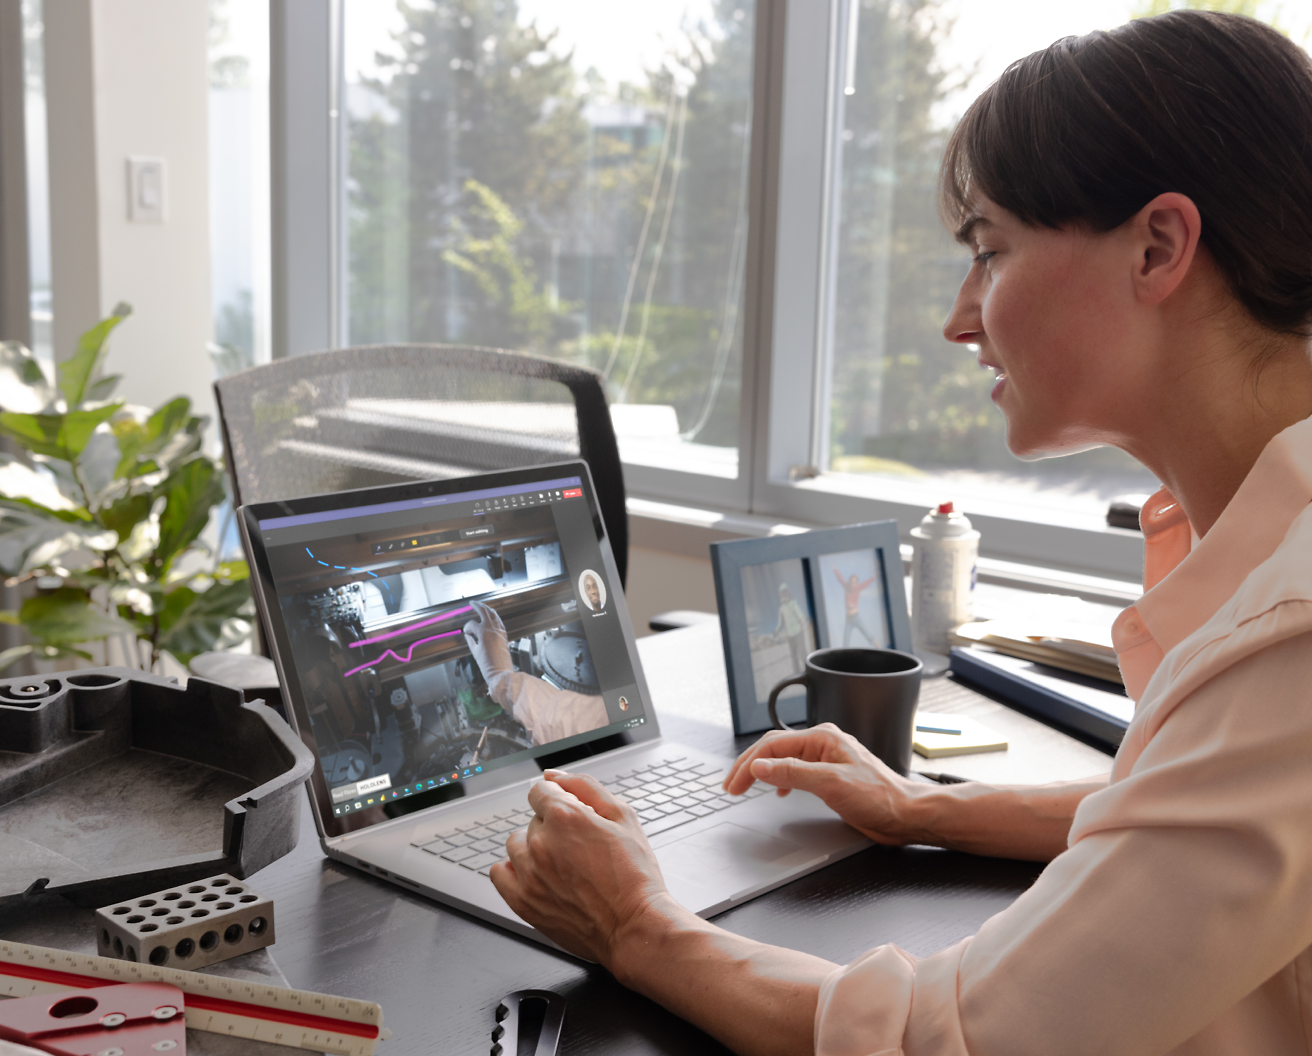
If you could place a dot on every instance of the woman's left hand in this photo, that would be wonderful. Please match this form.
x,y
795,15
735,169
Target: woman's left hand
x,y
583,872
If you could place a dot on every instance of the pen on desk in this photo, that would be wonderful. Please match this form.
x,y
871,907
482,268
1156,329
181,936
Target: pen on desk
x,y
945,779
938,729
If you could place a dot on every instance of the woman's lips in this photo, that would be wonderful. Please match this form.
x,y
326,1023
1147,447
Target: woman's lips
x,y
999,383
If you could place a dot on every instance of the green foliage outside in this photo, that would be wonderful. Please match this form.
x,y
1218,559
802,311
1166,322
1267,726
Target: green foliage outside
x,y
493,202
103,513
487,206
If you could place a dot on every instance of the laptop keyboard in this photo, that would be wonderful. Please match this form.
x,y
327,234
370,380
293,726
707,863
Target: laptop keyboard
x,y
666,794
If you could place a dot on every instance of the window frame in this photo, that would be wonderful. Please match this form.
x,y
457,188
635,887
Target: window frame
x,y
799,70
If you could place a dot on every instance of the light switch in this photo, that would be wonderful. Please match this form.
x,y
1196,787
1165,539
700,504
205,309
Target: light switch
x,y
147,190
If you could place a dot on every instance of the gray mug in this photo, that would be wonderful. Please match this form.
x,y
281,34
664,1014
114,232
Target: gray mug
x,y
869,693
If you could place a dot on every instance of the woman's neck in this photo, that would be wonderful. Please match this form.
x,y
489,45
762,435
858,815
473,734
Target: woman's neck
x,y
1215,417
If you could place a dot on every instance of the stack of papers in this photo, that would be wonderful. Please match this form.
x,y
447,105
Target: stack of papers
x,y
1079,647
937,735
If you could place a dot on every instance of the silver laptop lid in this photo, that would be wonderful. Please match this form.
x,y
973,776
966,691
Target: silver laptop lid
x,y
365,597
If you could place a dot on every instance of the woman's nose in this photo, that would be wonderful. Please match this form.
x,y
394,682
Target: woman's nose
x,y
965,324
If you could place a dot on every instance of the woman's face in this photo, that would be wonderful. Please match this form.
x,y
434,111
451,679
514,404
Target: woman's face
x,y
1054,314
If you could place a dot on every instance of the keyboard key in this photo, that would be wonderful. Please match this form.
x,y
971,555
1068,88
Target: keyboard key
x,y
686,801
460,839
641,804
482,861
699,811
483,846
658,798
674,781
701,795
663,771
459,854
757,790
508,813
686,765
712,780
446,833
650,815
719,803
436,847
482,832
668,808
501,826
667,822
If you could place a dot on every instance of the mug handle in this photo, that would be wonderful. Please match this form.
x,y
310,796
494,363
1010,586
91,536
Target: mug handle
x,y
796,680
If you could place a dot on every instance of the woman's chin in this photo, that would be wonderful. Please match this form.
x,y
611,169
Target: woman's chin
x,y
1030,448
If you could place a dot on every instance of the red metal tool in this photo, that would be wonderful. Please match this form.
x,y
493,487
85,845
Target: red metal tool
x,y
126,1019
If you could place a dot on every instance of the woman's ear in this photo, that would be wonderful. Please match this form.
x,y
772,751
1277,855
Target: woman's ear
x,y
1165,234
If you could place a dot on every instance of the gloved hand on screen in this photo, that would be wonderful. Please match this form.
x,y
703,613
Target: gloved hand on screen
x,y
486,637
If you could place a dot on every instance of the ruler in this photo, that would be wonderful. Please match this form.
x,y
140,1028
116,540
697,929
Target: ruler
x,y
296,1018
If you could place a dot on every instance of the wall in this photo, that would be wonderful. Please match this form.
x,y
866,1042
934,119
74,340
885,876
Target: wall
x,y
130,77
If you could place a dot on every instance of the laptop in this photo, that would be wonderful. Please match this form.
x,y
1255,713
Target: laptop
x,y
428,738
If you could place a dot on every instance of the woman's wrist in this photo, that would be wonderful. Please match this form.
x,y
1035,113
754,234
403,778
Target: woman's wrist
x,y
638,943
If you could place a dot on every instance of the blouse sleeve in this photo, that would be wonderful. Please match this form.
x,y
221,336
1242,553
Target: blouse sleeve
x,y
1186,886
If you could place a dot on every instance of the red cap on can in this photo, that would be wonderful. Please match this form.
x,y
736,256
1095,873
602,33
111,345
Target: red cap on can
x,y
944,507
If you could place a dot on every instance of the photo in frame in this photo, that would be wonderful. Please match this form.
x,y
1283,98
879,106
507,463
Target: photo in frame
x,y
784,596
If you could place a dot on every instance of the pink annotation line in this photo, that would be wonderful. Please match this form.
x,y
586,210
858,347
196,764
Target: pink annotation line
x,y
411,627
409,653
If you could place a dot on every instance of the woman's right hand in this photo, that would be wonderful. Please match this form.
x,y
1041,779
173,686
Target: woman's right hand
x,y
833,765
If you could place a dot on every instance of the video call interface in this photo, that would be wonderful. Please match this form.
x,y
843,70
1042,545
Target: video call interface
x,y
432,645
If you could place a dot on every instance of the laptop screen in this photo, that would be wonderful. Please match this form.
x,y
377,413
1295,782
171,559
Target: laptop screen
x,y
435,638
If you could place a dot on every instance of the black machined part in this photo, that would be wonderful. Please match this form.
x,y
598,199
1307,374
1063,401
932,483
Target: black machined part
x,y
115,782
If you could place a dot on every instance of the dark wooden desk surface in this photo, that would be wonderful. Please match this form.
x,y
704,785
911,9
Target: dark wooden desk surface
x,y
439,974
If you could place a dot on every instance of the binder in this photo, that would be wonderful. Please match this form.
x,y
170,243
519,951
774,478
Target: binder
x,y
1097,708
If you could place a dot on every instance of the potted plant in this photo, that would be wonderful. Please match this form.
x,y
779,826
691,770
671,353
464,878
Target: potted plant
x,y
103,513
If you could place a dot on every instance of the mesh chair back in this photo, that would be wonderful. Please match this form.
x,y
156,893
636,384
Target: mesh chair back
x,y
382,414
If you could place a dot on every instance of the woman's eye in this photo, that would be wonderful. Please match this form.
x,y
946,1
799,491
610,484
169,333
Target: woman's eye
x,y
984,257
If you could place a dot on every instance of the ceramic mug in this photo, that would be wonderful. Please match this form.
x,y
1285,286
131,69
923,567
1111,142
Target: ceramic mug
x,y
869,693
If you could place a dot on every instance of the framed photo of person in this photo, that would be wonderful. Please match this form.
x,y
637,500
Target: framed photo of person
x,y
784,596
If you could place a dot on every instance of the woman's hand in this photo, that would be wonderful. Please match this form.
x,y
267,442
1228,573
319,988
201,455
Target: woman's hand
x,y
868,795
583,873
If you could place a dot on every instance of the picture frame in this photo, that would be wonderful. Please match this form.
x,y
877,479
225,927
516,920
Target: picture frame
x,y
784,596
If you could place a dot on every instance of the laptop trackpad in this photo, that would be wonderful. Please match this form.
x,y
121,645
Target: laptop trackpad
x,y
726,858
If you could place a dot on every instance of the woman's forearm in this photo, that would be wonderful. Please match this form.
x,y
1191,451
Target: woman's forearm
x,y
759,1000
1029,822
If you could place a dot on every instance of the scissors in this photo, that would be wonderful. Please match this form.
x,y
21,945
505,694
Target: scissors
x,y
508,1023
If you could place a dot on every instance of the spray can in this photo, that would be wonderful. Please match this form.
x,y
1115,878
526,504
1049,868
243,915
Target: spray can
x,y
942,577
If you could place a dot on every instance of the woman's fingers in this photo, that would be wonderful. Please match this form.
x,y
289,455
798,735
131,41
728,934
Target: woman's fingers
x,y
820,743
789,773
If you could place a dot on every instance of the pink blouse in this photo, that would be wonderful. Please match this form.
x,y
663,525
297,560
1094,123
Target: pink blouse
x,y
1179,919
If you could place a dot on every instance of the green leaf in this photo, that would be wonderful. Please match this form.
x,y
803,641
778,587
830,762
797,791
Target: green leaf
x,y
136,439
104,388
32,536
189,492
126,513
61,436
24,386
66,617
192,622
234,570
76,372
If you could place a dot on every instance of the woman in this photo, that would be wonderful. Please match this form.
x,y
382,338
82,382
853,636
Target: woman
x,y
1139,206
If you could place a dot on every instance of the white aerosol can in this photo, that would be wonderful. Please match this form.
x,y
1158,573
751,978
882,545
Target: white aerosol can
x,y
942,577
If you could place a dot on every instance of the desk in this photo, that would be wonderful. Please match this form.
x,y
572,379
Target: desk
x,y
439,974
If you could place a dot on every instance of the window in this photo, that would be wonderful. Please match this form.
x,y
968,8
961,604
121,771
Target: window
x,y
239,182
727,207
566,177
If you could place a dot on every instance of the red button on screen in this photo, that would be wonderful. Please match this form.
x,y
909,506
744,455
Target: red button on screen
x,y
573,493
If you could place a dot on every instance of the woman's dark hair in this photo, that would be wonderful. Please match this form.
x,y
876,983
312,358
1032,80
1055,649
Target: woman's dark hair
x,y
1217,107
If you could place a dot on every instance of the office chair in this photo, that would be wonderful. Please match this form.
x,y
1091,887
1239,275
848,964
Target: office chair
x,y
381,414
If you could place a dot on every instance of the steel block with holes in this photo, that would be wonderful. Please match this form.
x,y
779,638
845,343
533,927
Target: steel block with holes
x,y
187,926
